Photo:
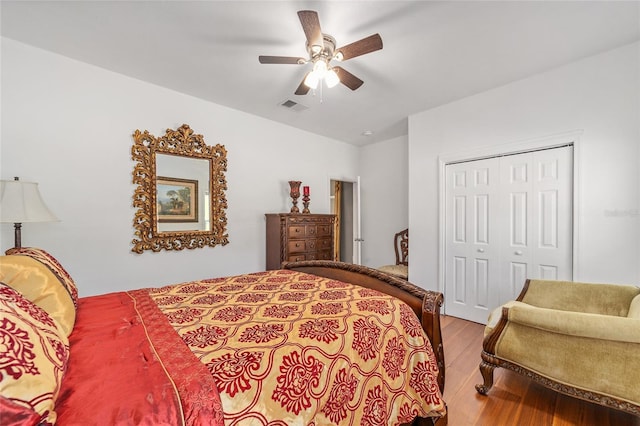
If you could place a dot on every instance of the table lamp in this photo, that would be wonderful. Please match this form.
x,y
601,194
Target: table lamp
x,y
21,202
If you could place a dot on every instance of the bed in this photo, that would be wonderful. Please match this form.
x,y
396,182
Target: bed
x,y
313,343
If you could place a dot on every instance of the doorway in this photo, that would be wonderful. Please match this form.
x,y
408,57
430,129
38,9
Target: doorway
x,y
507,218
345,204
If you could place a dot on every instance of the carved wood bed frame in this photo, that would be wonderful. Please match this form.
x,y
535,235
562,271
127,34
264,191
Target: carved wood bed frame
x,y
425,303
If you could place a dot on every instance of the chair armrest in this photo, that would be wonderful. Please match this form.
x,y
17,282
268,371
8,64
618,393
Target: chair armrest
x,y
578,324
604,299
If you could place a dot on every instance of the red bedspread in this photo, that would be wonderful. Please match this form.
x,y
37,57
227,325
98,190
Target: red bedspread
x,y
116,377
271,348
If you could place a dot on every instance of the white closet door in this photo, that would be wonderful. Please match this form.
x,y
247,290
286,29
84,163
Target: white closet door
x,y
536,194
516,236
507,219
472,250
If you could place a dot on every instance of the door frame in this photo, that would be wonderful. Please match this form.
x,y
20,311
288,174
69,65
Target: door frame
x,y
545,142
357,214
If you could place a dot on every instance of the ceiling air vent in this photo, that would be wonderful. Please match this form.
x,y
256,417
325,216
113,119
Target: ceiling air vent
x,y
294,106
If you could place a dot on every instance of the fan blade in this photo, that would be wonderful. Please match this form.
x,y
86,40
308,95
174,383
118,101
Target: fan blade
x,y
311,26
360,47
281,60
303,89
348,79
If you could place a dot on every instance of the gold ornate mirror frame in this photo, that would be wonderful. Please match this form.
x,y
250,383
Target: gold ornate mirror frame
x,y
181,142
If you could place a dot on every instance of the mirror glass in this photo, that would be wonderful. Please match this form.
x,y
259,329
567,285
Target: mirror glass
x,y
182,193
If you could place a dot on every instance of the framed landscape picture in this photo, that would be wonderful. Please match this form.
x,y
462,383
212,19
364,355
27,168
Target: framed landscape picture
x,y
177,199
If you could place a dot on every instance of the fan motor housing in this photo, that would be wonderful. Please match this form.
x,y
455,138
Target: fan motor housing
x,y
329,46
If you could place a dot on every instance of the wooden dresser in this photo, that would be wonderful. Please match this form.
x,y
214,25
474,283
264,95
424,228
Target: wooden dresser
x,y
295,237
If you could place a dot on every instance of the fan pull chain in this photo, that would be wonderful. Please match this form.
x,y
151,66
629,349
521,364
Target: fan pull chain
x,y
315,91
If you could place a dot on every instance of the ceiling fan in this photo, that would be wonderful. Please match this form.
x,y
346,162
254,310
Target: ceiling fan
x,y
322,50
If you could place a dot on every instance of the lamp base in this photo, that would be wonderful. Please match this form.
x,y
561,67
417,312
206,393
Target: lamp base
x,y
17,234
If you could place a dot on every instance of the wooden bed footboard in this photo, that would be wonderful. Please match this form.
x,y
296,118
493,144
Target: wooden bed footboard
x,y
425,303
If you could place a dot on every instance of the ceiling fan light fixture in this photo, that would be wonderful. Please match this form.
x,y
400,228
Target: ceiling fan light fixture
x,y
322,50
332,78
311,81
320,68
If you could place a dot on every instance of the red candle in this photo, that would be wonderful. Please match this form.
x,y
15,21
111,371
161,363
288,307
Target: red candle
x,y
305,190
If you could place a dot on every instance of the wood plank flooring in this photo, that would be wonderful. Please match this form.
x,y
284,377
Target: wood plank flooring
x,y
513,399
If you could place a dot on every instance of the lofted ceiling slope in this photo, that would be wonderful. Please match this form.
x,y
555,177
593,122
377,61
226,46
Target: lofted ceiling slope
x,y
435,52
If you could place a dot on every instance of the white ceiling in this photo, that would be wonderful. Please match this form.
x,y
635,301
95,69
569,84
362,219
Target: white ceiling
x,y
434,51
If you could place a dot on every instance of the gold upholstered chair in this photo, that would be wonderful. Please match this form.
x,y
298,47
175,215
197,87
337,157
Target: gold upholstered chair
x,y
401,246
579,339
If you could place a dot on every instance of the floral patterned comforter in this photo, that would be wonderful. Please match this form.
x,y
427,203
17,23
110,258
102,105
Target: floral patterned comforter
x,y
287,348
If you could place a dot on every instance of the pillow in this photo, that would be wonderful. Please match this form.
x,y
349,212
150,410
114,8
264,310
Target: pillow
x,y
37,283
53,264
34,358
634,308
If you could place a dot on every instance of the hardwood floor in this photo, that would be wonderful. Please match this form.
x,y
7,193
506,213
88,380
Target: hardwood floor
x,y
513,399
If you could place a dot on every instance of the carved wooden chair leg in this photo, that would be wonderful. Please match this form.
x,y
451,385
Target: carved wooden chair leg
x,y
486,370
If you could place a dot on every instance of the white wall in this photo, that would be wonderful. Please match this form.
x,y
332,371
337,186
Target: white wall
x,y
599,95
384,198
68,126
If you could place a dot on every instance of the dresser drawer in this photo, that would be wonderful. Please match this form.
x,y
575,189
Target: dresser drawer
x,y
309,245
297,258
324,230
324,255
296,231
318,230
324,244
297,246
319,255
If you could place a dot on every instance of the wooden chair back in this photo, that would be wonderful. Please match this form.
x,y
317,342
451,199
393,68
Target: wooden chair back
x,y
401,244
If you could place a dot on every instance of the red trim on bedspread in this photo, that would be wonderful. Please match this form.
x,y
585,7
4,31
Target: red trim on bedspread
x,y
197,388
115,377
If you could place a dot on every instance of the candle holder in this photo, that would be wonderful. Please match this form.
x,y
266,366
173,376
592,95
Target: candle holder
x,y
305,203
294,192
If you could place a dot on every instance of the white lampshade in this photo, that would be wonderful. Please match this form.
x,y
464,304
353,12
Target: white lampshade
x,y
20,202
